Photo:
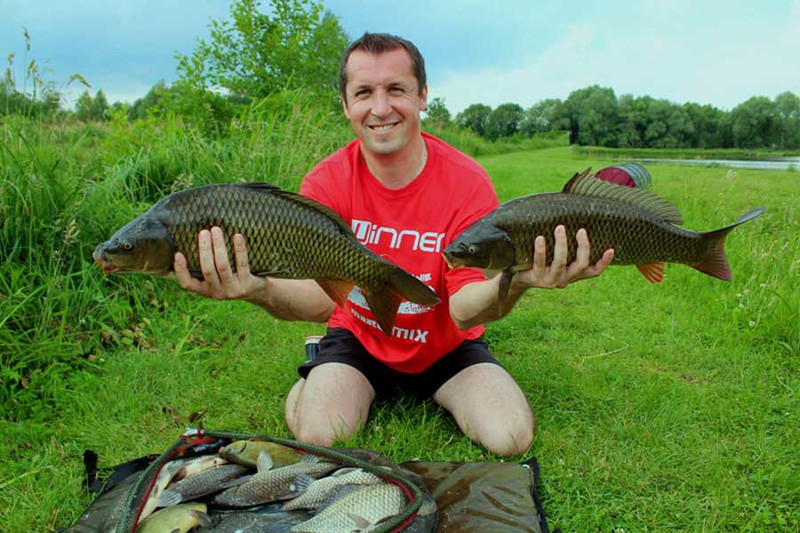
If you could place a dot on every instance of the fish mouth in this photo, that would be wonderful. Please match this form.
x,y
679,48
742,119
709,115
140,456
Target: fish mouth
x,y
451,261
104,262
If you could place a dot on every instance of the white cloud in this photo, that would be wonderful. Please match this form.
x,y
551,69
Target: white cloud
x,y
682,60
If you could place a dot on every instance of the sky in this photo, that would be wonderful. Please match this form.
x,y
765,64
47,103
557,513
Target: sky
x,y
476,51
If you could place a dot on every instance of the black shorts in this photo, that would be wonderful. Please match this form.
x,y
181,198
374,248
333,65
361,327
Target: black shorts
x,y
341,346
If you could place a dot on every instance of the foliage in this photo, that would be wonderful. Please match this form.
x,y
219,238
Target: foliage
x,y
504,120
257,53
476,118
653,412
437,112
36,97
88,108
595,116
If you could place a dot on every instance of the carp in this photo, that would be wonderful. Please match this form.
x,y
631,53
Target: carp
x,y
287,235
641,227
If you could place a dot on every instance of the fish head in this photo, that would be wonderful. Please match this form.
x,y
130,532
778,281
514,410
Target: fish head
x,y
144,245
482,245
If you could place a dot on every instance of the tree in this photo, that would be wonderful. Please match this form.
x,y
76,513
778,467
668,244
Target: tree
x,y
753,123
504,121
88,108
437,112
787,117
540,117
296,45
475,117
154,96
594,116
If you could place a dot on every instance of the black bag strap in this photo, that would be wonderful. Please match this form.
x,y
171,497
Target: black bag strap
x,y
98,483
533,464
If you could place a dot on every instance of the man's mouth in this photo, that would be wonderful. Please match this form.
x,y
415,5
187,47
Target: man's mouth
x,y
381,128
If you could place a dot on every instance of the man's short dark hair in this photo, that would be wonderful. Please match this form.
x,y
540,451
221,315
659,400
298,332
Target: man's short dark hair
x,y
378,43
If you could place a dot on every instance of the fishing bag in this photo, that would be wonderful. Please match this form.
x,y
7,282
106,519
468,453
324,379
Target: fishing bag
x,y
441,496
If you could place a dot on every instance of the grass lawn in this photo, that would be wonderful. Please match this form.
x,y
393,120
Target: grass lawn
x,y
673,406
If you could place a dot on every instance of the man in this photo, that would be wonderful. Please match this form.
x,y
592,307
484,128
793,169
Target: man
x,y
407,195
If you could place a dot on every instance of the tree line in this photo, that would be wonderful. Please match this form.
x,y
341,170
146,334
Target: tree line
x,y
595,116
298,45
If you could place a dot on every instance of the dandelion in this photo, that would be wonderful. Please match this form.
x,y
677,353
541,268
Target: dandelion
x,y
752,324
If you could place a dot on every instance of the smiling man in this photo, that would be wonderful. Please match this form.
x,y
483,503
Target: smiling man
x,y
406,194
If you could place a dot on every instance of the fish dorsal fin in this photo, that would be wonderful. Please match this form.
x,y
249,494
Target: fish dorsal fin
x,y
587,185
299,198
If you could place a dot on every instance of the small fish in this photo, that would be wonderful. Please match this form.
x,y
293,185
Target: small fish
x,y
246,522
270,485
246,452
320,490
357,510
202,484
640,226
176,519
166,475
288,236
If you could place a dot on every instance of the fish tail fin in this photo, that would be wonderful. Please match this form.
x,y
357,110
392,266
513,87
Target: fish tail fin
x,y
715,263
398,285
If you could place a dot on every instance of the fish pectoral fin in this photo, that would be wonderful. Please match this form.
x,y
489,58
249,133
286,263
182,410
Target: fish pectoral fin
x,y
201,518
337,289
360,521
654,272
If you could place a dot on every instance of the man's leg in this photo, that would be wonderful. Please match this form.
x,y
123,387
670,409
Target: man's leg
x,y
489,407
329,404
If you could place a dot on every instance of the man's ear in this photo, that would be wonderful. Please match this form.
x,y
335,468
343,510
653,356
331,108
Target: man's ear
x,y
423,98
343,98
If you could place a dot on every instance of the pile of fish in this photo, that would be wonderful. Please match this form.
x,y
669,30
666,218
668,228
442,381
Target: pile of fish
x,y
266,487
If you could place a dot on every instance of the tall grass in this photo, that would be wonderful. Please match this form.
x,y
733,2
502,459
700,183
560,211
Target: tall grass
x,y
65,187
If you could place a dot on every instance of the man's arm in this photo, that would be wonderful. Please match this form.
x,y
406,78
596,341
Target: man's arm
x,y
477,303
285,299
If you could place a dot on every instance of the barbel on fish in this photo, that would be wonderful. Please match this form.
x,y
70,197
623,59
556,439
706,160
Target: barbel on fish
x,y
641,227
287,235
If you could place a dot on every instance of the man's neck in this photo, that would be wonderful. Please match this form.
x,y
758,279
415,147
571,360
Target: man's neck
x,y
397,170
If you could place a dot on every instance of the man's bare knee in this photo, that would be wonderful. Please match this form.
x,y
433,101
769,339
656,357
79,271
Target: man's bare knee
x,y
513,441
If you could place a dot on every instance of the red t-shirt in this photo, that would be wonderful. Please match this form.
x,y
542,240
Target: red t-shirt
x,y
409,227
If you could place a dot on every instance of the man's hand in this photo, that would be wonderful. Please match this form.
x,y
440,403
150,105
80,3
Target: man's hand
x,y
220,282
559,274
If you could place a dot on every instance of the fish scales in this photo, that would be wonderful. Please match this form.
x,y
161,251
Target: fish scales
x,y
357,510
287,236
284,238
637,236
641,227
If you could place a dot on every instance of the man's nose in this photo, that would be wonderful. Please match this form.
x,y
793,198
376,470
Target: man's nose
x,y
381,106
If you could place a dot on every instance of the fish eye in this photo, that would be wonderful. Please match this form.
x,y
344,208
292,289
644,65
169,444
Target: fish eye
x,y
127,247
472,249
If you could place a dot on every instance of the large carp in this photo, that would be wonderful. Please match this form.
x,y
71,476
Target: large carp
x,y
287,235
640,226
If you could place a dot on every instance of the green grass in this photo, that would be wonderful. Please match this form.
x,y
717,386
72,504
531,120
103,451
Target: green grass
x,y
659,407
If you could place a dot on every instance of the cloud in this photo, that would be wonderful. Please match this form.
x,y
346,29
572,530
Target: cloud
x,y
665,50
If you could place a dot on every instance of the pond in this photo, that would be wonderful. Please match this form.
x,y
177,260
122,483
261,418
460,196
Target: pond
x,y
774,163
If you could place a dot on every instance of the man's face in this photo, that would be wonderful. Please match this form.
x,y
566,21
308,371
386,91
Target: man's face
x,y
383,101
